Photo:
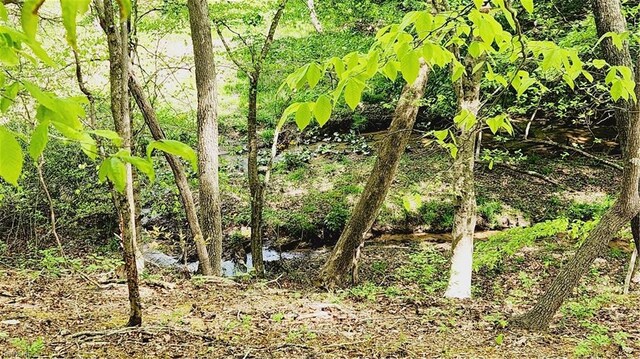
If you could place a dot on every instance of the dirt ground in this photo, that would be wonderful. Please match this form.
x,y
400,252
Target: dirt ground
x,y
388,316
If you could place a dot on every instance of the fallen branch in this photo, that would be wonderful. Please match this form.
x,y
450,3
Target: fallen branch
x,y
150,330
527,172
575,149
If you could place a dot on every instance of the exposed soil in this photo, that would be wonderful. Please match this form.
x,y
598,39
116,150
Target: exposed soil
x,y
389,316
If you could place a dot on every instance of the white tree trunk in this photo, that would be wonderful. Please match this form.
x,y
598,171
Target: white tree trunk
x,y
314,16
461,270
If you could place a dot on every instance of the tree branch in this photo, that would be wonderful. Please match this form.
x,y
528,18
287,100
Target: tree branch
x,y
272,31
233,58
582,152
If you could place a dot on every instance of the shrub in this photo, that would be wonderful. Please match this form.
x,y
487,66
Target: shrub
x,y
437,214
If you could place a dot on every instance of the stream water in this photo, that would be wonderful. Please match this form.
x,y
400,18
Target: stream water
x,y
230,268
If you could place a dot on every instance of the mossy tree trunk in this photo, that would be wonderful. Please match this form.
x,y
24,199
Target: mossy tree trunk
x,y
344,256
208,162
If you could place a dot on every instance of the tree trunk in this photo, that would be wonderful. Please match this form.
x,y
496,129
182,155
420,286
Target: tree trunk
x,y
464,220
149,115
118,60
314,16
210,206
256,187
624,209
609,18
344,256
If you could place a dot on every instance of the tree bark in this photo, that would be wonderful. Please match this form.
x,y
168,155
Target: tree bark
x,y
464,219
256,187
610,18
150,118
117,35
345,254
623,210
314,16
210,206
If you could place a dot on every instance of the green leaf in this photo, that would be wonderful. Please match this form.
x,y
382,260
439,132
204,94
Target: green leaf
x,y
441,135
88,145
29,18
457,72
41,54
3,12
465,119
598,63
9,96
303,116
144,165
410,66
322,109
527,5
125,9
372,63
70,11
287,112
39,140
110,135
8,56
116,173
353,92
10,157
175,148
495,123
313,75
390,70
338,65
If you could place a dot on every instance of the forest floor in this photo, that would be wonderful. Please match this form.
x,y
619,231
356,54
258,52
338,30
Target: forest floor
x,y
396,312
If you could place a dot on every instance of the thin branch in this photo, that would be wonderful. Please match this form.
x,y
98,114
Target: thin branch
x,y
52,212
272,31
253,54
233,58
93,121
582,152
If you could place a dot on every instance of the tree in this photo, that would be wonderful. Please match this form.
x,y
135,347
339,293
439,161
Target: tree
x,y
345,255
463,182
610,19
314,16
208,162
117,39
257,186
179,175
399,48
